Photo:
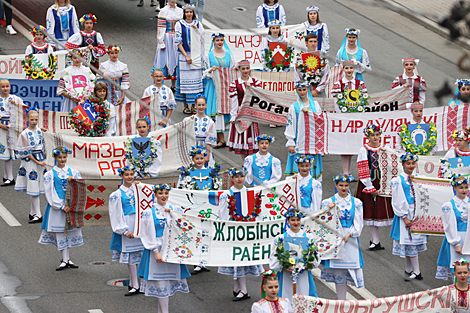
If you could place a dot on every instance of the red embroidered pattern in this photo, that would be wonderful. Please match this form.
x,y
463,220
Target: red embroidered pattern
x,y
363,169
462,298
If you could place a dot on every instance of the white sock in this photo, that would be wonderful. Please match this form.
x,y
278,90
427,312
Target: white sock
x,y
133,279
341,291
374,234
35,206
8,169
408,267
65,255
415,264
242,284
236,286
163,305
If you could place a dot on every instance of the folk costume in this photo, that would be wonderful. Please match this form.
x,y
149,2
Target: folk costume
x,y
268,39
266,13
310,189
35,49
344,84
166,100
204,129
77,82
152,170
359,56
166,55
6,154
455,152
416,82
119,73
264,168
281,305
455,101
112,126
62,23
460,298
319,29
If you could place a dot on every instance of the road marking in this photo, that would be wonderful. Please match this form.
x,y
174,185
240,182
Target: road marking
x,y
209,25
23,31
8,217
95,311
317,273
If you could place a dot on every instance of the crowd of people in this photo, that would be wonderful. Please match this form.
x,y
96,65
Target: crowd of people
x,y
193,87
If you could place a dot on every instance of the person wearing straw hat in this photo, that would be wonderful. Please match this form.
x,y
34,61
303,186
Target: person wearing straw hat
x,y
411,79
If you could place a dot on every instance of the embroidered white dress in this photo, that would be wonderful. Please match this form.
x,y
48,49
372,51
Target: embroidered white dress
x,y
62,23
53,224
5,152
166,100
119,73
349,269
311,191
461,299
45,49
321,30
76,81
204,129
112,127
281,305
224,215
266,169
267,13
30,174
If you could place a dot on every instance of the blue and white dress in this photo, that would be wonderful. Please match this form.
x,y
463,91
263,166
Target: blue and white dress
x,y
30,174
349,269
62,22
160,280
360,55
266,13
265,168
305,283
166,99
5,152
224,215
53,223
310,193
321,30
204,129
403,203
122,217
455,219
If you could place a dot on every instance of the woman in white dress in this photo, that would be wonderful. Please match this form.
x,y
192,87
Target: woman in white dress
x,y
61,22
115,70
316,26
268,11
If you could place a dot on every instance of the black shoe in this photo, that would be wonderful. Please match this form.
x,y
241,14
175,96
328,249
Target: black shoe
x,y
244,297
235,293
407,275
375,246
4,179
7,182
70,264
62,266
414,276
132,292
35,220
30,217
141,3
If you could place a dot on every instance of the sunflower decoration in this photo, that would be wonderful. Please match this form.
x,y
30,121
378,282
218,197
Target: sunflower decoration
x,y
313,62
311,66
35,69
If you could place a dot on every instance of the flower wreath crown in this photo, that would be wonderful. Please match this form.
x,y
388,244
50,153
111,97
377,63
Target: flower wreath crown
x,y
264,137
462,134
161,187
371,129
57,152
116,49
312,8
293,212
408,157
87,17
456,183
197,150
302,84
461,261
234,171
352,32
217,35
462,82
268,273
304,159
38,29
343,178
125,168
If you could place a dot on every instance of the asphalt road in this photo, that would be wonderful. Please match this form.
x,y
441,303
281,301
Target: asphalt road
x,y
28,280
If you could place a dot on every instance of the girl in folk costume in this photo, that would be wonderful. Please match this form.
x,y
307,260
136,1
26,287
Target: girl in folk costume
x,y
219,56
454,219
461,148
406,244
31,149
349,269
244,143
126,248
160,279
378,210
101,91
411,79
53,225
6,154
305,103
166,57
166,98
274,35
262,167
310,188
305,284
189,81
197,176
62,22
316,26
463,90
229,211
351,49
76,83
115,70
347,82
39,46
460,290
271,302
204,129
268,11
88,38
150,169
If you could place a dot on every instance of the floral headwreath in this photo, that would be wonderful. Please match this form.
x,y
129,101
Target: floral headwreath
x,y
217,35
462,134
268,273
371,129
200,96
293,212
125,168
39,29
274,23
408,157
343,178
312,8
304,159
189,6
31,108
161,187
144,118
352,32
264,137
462,261
301,84
463,82
57,152
456,183
81,53
197,150
87,17
111,49
234,171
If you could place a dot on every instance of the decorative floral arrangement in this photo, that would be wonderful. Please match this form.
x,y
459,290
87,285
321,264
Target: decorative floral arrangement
x,y
299,35
299,264
423,149
141,162
35,70
445,170
268,60
189,183
96,129
352,107
312,69
240,218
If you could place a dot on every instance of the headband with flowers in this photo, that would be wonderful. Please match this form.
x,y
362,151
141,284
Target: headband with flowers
x,y
125,168
371,129
217,35
234,171
189,6
459,182
87,17
301,84
312,8
463,82
197,150
293,212
264,137
408,157
462,134
200,96
343,178
79,52
268,273
144,118
39,29
57,152
161,187
113,49
461,261
156,68
304,159
352,32
274,23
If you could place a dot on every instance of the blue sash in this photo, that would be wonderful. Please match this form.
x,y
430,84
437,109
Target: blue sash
x,y
159,223
319,34
127,206
347,216
186,35
306,194
407,189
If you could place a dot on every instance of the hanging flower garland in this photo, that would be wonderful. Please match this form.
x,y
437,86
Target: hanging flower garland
x,y
299,264
189,183
142,163
268,55
240,218
352,107
312,68
35,70
423,149
96,129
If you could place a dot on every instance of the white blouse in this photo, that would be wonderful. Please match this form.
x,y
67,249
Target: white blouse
x,y
343,204
317,190
449,220
116,70
292,127
116,214
5,104
263,160
49,188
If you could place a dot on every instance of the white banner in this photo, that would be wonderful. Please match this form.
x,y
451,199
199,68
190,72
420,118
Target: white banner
x,y
10,65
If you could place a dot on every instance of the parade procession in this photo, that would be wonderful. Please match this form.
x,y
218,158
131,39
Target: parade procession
x,y
264,156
